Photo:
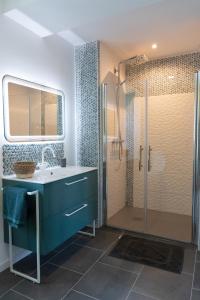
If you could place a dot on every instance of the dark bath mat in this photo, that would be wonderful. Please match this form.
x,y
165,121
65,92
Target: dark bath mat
x,y
152,253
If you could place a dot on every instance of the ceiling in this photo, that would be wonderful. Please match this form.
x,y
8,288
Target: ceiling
x,y
128,27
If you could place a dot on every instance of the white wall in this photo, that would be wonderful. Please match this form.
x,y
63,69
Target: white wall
x,y
47,61
108,61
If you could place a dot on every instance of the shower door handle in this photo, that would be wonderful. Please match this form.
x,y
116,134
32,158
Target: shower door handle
x,y
140,160
149,159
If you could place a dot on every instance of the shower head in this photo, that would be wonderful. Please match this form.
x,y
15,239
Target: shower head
x,y
135,60
138,59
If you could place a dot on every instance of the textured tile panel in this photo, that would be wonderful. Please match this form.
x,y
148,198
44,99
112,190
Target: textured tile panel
x,y
171,139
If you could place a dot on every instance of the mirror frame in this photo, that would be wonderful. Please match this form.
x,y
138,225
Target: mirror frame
x,y
6,116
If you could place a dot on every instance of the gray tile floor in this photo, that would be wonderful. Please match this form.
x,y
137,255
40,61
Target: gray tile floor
x,y
82,270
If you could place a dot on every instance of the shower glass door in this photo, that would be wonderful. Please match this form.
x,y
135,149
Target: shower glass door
x,y
149,186
114,154
125,173
170,160
136,153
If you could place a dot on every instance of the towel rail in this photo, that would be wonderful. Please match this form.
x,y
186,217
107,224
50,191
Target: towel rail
x,y
33,279
38,278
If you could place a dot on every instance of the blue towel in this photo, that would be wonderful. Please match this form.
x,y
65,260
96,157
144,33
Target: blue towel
x,y
14,205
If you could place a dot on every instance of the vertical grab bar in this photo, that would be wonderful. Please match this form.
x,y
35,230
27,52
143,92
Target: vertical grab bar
x,y
140,160
149,159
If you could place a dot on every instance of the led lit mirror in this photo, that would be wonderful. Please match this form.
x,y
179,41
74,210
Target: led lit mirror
x,y
32,112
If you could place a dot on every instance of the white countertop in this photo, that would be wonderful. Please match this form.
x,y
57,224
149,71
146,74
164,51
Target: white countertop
x,y
52,174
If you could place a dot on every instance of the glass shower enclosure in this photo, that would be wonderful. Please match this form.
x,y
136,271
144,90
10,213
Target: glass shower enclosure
x,y
149,173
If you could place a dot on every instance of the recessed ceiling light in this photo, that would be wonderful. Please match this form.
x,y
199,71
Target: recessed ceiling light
x,y
154,46
71,37
22,19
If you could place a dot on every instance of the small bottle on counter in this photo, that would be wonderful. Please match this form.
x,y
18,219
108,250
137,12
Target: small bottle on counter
x,y
63,162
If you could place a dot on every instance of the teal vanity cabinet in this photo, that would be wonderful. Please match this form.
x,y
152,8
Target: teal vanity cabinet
x,y
66,206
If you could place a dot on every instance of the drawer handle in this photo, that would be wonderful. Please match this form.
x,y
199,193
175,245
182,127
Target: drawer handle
x,y
75,211
76,181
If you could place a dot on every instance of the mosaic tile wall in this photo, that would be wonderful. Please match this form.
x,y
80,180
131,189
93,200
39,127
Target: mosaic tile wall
x,y
165,76
16,152
87,110
159,74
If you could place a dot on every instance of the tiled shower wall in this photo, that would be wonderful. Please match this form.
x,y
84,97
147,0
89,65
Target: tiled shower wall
x,y
158,72
170,134
167,76
88,105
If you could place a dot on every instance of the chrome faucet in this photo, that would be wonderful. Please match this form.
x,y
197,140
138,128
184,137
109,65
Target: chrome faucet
x,y
43,165
44,150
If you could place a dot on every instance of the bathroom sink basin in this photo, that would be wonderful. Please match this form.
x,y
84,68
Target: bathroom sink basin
x,y
53,174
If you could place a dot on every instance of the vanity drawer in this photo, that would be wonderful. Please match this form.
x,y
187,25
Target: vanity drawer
x,y
69,193
55,229
58,228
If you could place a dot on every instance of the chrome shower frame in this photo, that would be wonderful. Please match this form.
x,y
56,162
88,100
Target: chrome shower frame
x,y
196,161
196,166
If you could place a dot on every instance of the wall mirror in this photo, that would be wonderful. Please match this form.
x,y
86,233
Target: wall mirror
x,y
32,112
